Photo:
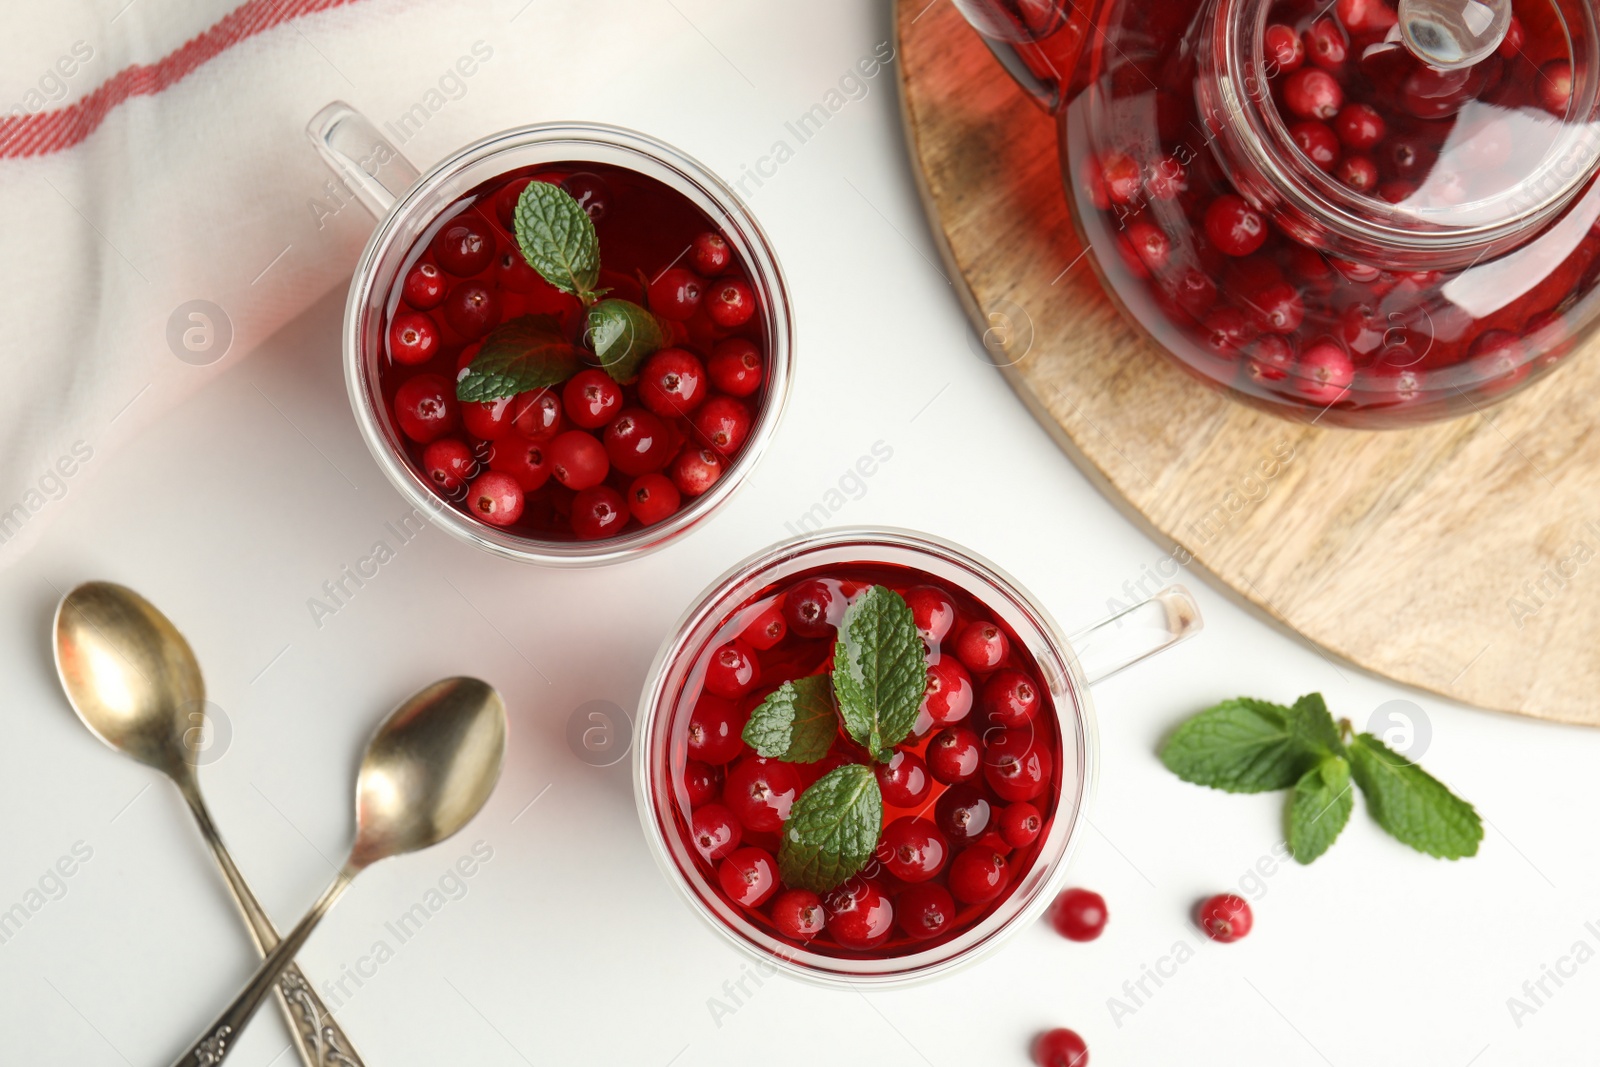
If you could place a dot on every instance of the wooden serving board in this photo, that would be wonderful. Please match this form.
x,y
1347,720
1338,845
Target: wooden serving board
x,y
1462,557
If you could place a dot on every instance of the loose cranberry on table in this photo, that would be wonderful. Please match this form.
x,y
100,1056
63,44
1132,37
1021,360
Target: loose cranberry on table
x,y
1060,1048
1079,915
584,381
1225,917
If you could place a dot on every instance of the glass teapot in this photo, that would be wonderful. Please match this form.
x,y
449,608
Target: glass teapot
x,y
1340,211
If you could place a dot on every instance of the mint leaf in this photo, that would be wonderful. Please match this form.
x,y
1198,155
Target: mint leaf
x,y
525,353
832,829
557,238
1319,808
796,722
622,334
1411,804
1242,746
879,672
1311,723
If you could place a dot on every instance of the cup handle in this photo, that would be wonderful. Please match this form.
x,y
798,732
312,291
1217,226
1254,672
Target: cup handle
x,y
365,161
1038,42
1139,632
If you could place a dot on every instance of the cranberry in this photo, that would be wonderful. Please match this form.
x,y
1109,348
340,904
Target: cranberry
x,y
1149,243
932,612
982,646
590,399
1317,142
425,408
1277,308
723,423
591,192
652,497
512,273
1358,172
860,917
1326,44
489,420
735,367
637,442
947,698
676,294
963,813
537,414
1079,915
798,913
1313,93
1359,127
695,470
701,783
710,254
714,831
526,461
1016,763
913,849
732,670
578,460
472,310
925,911
1225,917
1021,824
464,247
1060,1048
1235,227
495,498
954,755
749,876
760,792
598,512
1554,86
904,780
424,287
1285,52
1324,372
1369,18
1094,184
1511,44
449,463
806,607
505,200
413,338
1270,358
1435,94
766,629
1227,331
1122,176
672,382
715,734
731,303
1408,156
1010,698
978,875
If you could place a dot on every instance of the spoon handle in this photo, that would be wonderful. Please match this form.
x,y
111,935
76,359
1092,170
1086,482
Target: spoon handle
x,y
218,1039
318,1038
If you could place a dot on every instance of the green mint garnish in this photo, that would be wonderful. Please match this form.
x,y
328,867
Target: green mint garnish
x,y
557,239
832,829
525,353
879,670
1318,808
1411,804
622,334
796,723
1251,746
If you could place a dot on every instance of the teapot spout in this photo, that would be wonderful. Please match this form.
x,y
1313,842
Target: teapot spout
x,y
1039,42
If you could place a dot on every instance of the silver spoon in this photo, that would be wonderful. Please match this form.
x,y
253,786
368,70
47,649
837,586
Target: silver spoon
x,y
134,682
427,771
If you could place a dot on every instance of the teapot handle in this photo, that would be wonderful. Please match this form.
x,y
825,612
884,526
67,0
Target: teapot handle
x,y
1039,42
366,162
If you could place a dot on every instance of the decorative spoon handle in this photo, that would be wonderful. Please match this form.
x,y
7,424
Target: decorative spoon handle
x,y
317,1037
218,1039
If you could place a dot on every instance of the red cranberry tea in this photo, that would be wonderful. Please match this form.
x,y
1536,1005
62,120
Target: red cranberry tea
x,y
867,763
1413,324
573,351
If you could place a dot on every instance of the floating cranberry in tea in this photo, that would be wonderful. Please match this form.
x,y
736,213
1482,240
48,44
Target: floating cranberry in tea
x,y
860,917
748,876
903,780
425,407
715,831
798,914
495,498
926,911
574,350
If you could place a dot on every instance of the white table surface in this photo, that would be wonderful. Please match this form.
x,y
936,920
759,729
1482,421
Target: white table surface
x,y
568,946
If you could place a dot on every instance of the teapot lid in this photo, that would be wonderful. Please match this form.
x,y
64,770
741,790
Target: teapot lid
x,y
1489,120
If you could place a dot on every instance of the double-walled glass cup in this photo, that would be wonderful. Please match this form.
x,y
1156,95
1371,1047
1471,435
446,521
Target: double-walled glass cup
x,y
1065,666
409,206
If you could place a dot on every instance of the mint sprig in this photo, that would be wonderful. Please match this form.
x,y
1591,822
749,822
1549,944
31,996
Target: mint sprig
x,y
832,830
557,239
1253,746
529,352
880,672
796,723
622,334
